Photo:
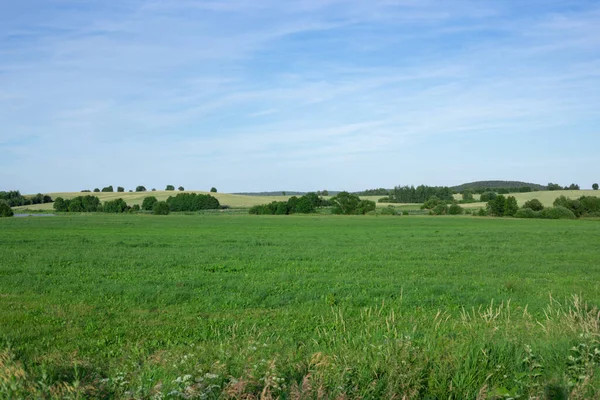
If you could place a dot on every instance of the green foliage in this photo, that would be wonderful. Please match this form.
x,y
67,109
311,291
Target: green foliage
x,y
14,198
370,192
440,209
482,212
192,202
345,203
405,212
135,207
170,187
493,186
108,189
585,205
87,203
115,206
304,205
497,206
120,189
511,207
148,203
431,203
534,204
96,190
595,186
554,186
389,210
527,213
455,209
161,208
140,189
420,194
181,188
213,189
467,196
488,196
557,212
365,206
5,210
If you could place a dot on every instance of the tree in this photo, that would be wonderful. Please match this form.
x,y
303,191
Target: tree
x,y
455,209
554,186
148,203
108,189
115,206
154,189
487,196
213,189
161,208
496,206
181,189
170,187
120,189
534,204
96,190
595,186
5,210
511,207
467,195
365,206
573,186
325,193
140,189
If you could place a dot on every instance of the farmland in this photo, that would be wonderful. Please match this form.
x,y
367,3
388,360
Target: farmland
x,y
139,306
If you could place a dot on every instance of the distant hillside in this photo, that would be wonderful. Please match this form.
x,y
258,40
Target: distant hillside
x,y
497,185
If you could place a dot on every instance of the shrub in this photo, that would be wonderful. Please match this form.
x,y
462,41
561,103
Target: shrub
x,y
468,211
487,196
595,186
148,203
510,206
140,189
365,206
161,208
135,207
405,212
534,204
467,196
482,212
192,202
440,209
455,209
181,189
108,189
557,212
120,189
96,190
115,206
5,210
526,213
496,207
170,187
389,210
213,189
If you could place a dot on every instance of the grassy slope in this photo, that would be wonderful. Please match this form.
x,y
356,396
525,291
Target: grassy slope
x,y
356,306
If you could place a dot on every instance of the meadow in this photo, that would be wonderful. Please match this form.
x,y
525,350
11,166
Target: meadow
x,y
302,307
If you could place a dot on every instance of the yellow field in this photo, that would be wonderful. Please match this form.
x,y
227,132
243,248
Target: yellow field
x,y
245,201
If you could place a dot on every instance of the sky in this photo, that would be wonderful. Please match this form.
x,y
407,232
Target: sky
x,y
259,95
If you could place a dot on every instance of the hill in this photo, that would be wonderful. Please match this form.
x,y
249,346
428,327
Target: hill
x,y
497,185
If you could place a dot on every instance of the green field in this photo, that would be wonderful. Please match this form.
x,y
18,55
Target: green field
x,y
303,307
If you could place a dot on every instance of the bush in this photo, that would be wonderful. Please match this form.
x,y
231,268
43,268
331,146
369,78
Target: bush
x,y
170,187
192,202
431,203
482,212
455,209
115,206
365,206
467,196
5,210
148,203
440,209
389,210
213,190
120,189
487,196
161,208
595,186
534,204
510,206
468,211
526,213
181,189
135,207
96,190
87,203
140,189
405,212
557,212
108,189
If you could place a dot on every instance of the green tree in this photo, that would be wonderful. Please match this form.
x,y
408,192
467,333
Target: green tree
x,y
5,210
140,189
149,202
120,189
496,206
595,186
455,209
115,206
181,189
96,190
108,189
213,189
511,207
161,208
534,204
170,187
365,206
487,196
467,195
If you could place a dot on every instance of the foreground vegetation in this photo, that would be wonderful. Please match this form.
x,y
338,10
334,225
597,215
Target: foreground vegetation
x,y
207,306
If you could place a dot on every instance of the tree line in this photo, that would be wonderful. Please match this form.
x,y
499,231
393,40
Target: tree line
x,y
14,198
342,203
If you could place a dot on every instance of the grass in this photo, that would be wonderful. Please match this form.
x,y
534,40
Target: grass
x,y
235,306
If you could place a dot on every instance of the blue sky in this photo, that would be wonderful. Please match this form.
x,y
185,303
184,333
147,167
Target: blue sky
x,y
252,95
